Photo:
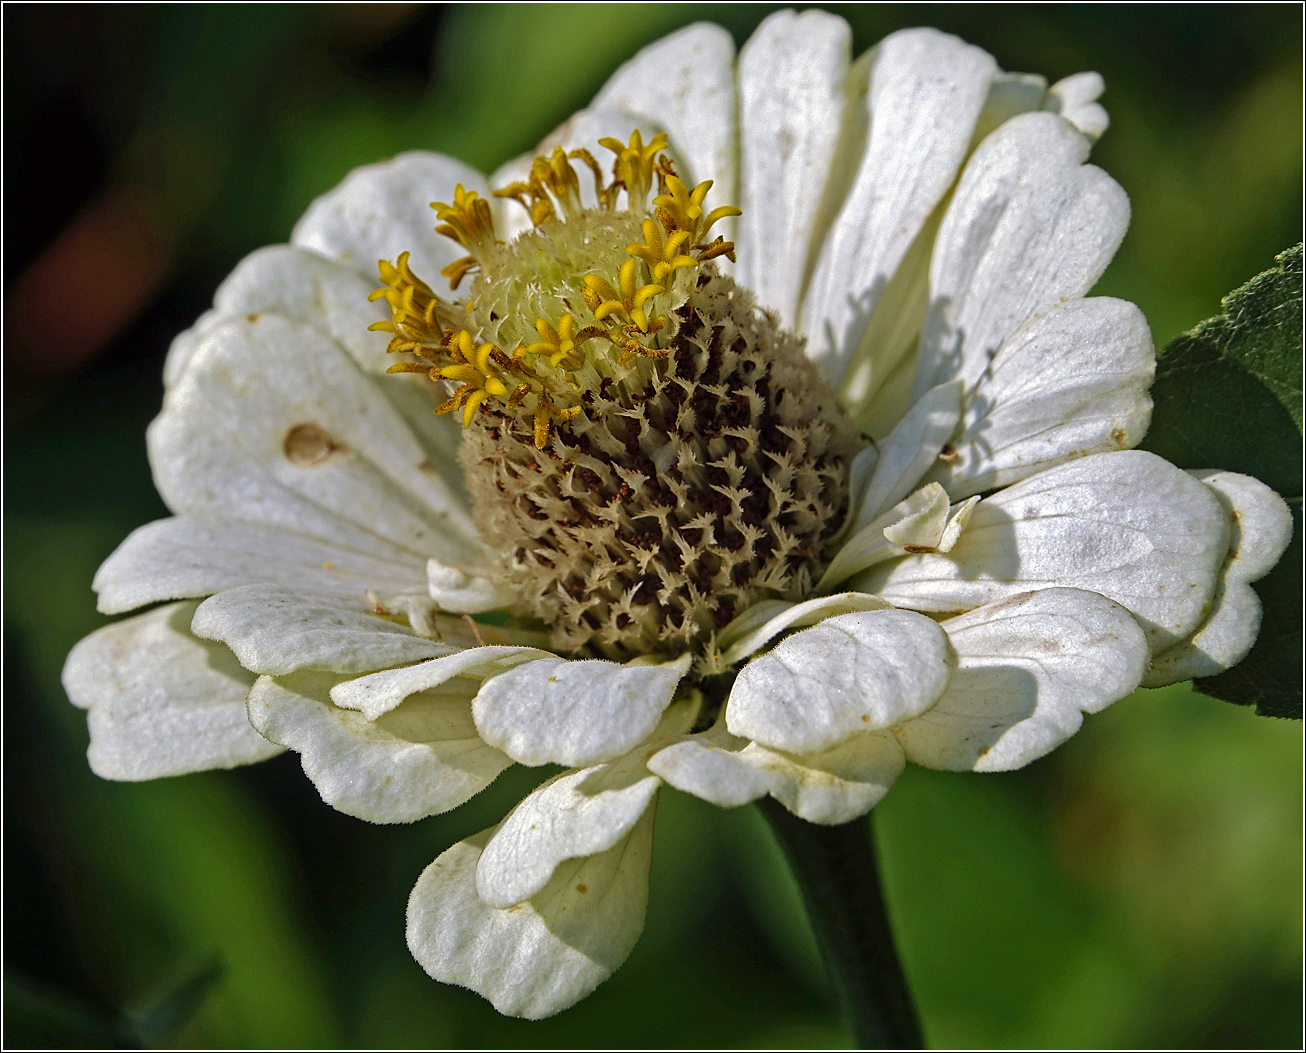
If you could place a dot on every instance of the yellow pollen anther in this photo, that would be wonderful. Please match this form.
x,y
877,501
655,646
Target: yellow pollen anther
x,y
636,164
417,314
469,221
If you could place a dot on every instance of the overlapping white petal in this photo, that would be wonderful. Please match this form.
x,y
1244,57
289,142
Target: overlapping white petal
x,y
791,80
830,788
272,424
381,210
1075,98
420,759
381,692
923,94
185,557
762,623
548,953
1028,668
849,674
1030,226
1127,525
555,711
1261,530
1071,382
161,702
278,630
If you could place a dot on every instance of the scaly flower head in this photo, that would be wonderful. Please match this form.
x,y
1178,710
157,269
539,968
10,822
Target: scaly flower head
x,y
768,501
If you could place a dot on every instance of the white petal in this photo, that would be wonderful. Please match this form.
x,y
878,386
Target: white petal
x,y
381,692
685,83
1010,94
161,702
849,674
1127,525
924,95
1069,383
1261,530
829,788
541,957
792,76
1028,668
573,712
381,210
422,759
807,613
277,630
918,521
271,423
1029,227
911,449
1075,98
463,593
183,558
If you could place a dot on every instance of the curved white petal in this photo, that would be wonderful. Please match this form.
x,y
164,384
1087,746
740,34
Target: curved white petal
x,y
536,959
1028,668
923,97
685,83
828,788
1069,383
271,423
381,692
277,630
1030,226
919,520
184,558
1127,525
910,450
463,593
1075,98
558,711
791,80
849,674
422,759
161,702
1261,530
756,636
381,210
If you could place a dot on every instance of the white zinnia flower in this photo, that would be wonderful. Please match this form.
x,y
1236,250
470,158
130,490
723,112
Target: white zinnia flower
x,y
655,483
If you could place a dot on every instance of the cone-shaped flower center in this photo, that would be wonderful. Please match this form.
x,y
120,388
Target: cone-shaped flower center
x,y
649,452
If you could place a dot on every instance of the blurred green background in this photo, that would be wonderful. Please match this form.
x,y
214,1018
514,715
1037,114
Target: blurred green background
x,y
1140,887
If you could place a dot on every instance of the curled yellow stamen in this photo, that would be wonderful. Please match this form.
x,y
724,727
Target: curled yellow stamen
x,y
636,164
417,315
469,221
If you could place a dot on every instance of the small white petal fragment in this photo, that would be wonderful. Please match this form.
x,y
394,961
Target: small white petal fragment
x,y
849,674
1127,525
924,95
1028,668
1070,383
161,702
542,956
1261,530
422,759
558,711
381,210
794,616
185,558
918,521
463,593
911,449
381,692
828,788
273,424
791,100
685,83
1075,98
278,630
1029,227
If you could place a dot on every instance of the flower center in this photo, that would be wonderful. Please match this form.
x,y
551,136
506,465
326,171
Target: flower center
x,y
649,452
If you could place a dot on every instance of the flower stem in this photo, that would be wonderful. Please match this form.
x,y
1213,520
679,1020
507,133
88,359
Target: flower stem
x,y
836,870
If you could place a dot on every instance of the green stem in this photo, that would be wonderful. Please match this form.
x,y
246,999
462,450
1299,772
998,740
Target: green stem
x,y
836,871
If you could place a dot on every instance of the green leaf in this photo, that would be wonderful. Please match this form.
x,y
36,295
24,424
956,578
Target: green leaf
x,y
1228,394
